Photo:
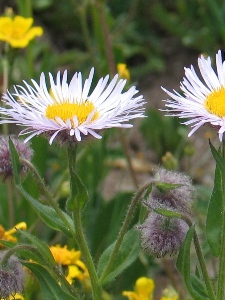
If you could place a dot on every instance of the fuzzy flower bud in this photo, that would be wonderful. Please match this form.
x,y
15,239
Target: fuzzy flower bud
x,y
11,277
24,151
178,197
161,235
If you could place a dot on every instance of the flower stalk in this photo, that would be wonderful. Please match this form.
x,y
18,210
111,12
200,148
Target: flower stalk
x,y
79,234
221,274
123,229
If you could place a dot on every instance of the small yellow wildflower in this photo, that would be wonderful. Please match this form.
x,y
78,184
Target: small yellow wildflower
x,y
144,288
17,31
63,256
8,235
123,71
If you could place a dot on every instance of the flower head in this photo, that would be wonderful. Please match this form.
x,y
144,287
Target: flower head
x,y
178,199
64,256
11,277
17,31
161,235
24,151
144,288
7,235
71,111
203,101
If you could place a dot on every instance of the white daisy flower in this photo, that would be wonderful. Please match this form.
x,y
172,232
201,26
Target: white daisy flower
x,y
70,111
202,102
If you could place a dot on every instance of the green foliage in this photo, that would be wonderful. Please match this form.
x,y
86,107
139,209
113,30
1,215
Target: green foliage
x,y
126,255
214,216
195,287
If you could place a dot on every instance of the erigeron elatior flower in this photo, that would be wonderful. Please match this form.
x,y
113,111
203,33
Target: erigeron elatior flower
x,y
18,31
202,100
71,111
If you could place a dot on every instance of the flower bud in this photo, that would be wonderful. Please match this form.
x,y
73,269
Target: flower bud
x,y
23,150
161,235
177,194
11,277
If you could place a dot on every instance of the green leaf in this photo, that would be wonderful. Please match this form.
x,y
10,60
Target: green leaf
x,y
219,160
165,187
195,287
15,161
168,213
126,255
214,215
79,194
42,247
48,214
50,288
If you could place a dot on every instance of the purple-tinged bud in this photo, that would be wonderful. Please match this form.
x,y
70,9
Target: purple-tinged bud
x,y
178,198
11,277
23,150
161,235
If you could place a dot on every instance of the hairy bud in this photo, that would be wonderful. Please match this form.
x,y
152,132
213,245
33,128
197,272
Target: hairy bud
x,y
24,151
11,277
161,235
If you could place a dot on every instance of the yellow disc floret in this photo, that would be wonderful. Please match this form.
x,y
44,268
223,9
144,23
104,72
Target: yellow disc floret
x,y
215,102
67,111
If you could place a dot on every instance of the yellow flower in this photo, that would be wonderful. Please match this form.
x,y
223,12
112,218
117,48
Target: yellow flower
x,y
17,31
8,235
15,297
123,71
144,288
63,256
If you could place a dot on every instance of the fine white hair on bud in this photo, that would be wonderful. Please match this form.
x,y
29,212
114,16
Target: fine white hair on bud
x,y
23,150
177,198
11,277
162,236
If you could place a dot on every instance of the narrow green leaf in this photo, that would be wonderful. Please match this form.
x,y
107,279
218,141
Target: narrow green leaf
x,y
214,215
219,160
15,161
195,287
168,213
50,288
42,247
126,255
164,187
48,214
79,194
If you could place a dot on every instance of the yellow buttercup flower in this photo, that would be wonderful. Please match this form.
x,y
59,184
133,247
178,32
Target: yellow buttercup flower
x,y
123,71
7,235
63,256
144,288
17,31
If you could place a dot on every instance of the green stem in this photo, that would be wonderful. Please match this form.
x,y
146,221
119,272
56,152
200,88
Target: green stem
x,y
123,229
11,251
44,190
221,275
79,234
202,262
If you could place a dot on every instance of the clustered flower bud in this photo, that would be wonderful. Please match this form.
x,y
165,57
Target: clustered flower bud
x,y
24,151
161,235
11,277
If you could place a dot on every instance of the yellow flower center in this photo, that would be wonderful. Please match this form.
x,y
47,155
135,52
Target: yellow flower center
x,y
215,102
67,111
